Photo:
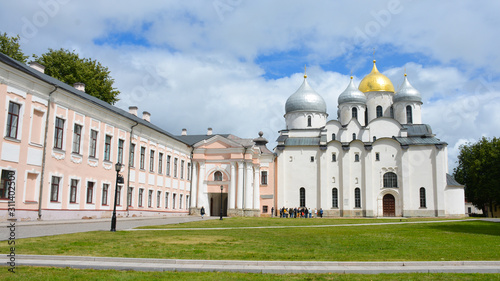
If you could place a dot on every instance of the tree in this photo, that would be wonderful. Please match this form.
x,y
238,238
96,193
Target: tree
x,y
479,169
10,47
70,68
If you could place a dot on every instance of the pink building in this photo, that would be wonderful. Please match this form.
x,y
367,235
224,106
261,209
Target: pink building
x,y
60,147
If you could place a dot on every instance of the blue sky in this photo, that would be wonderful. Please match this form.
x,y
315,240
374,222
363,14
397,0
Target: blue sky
x,y
231,64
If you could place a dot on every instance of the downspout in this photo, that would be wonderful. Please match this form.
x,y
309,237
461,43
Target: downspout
x,y
44,153
128,166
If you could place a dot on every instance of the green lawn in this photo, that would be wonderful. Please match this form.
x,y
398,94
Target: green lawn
x,y
452,240
50,273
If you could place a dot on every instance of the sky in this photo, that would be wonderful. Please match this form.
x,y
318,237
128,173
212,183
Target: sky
x,y
232,64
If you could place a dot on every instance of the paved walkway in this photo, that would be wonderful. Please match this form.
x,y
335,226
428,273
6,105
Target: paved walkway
x,y
260,266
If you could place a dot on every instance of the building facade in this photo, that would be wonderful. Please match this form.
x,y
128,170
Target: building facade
x,y
376,160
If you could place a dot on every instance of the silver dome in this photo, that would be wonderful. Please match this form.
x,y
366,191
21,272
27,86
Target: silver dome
x,y
352,94
407,93
305,99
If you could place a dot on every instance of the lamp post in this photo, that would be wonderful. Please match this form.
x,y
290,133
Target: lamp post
x,y
221,188
118,167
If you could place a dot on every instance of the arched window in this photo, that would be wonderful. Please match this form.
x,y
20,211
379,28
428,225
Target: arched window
x,y
355,113
374,138
409,115
302,197
366,117
353,136
379,111
309,121
218,176
333,136
356,157
423,203
391,109
357,198
390,179
334,157
335,198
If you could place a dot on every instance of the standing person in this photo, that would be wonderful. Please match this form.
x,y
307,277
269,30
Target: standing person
x,y
310,213
306,212
321,212
202,211
272,212
315,213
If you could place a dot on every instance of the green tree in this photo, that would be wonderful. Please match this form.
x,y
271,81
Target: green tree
x,y
10,47
68,67
479,169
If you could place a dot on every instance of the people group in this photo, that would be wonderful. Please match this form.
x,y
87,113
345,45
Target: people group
x,y
301,212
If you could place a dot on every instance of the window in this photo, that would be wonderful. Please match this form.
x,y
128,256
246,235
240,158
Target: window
x,y
309,121
7,177
54,189
188,204
335,198
143,155
182,169
58,133
366,116
312,158
168,165
391,110
263,177
377,156
73,191
189,172
90,191
357,198
180,201
374,138
302,198
160,162
409,116
158,199
130,192
107,148
423,203
218,176
131,159
264,209
93,143
166,200
105,188
333,136
77,138
118,196
141,191
390,179
151,160
13,120
334,157
353,136
173,200
379,111
355,113
120,151
175,167
356,157
150,198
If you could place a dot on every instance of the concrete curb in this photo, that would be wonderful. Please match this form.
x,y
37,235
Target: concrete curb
x,y
143,264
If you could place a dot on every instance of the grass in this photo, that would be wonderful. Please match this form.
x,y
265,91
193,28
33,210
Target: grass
x,y
451,240
51,273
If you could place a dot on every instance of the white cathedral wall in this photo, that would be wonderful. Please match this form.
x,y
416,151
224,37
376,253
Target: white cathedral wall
x,y
298,120
346,113
375,99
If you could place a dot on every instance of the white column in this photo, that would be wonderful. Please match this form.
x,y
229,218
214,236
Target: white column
x,y
256,185
232,187
239,198
201,181
248,187
194,185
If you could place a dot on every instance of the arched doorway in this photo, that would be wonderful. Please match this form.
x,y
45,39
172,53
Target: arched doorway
x,y
389,205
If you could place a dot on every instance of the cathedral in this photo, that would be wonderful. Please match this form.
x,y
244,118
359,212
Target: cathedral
x,y
376,160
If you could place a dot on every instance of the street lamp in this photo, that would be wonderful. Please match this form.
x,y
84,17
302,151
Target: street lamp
x,y
221,188
118,167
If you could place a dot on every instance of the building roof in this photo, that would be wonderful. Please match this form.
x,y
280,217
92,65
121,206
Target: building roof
x,y
305,99
419,140
192,139
418,130
51,80
302,141
450,180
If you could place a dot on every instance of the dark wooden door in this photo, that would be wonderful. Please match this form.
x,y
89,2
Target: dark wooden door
x,y
389,205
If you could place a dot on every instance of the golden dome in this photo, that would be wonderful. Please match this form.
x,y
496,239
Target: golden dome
x,y
375,81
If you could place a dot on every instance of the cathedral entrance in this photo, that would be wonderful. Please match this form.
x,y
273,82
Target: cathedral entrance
x,y
389,205
215,204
